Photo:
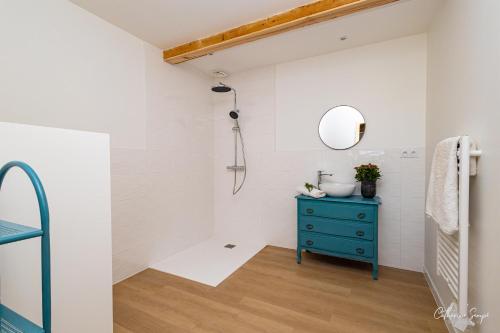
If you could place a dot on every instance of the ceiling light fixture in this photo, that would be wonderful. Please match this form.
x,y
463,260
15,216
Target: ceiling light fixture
x,y
220,74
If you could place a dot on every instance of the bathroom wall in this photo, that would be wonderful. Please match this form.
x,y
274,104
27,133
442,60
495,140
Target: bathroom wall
x,y
153,187
463,81
387,82
64,67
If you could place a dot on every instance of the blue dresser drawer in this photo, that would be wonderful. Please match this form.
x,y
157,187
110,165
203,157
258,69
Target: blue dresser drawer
x,y
359,248
339,210
337,227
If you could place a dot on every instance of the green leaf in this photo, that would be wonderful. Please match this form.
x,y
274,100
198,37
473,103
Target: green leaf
x,y
367,172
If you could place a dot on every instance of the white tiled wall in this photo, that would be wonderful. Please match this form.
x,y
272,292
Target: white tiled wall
x,y
265,208
163,194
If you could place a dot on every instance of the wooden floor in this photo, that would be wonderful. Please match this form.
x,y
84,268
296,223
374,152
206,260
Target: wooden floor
x,y
271,293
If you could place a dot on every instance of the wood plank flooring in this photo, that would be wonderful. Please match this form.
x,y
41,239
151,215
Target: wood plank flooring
x,y
272,294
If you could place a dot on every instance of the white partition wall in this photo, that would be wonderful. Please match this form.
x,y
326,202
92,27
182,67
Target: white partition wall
x,y
75,171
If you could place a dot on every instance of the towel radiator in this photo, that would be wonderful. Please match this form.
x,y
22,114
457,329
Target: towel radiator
x,y
453,250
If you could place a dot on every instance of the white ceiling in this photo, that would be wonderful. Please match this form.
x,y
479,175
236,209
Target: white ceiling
x,y
167,23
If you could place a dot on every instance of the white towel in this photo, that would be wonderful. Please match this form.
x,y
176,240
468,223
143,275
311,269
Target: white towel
x,y
442,193
315,193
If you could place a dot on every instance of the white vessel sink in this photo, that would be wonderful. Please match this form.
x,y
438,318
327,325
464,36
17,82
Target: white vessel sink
x,y
338,190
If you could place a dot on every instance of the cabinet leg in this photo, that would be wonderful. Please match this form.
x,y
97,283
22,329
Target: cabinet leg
x,y
375,272
299,255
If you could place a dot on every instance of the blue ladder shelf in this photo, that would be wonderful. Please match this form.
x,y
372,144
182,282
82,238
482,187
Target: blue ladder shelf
x,y
11,322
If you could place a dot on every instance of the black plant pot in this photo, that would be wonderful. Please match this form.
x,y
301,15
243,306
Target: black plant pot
x,y
368,188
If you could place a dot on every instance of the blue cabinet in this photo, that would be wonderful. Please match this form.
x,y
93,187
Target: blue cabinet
x,y
340,227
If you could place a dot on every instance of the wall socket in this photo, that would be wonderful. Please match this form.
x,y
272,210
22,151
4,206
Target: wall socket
x,y
409,153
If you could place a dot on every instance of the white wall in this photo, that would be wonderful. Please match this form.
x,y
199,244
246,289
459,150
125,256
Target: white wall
x,y
384,81
74,169
155,189
387,82
463,98
64,67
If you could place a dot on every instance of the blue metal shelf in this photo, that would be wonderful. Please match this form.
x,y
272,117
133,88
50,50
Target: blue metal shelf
x,y
11,232
11,322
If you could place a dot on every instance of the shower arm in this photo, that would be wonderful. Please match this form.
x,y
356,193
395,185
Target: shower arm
x,y
234,100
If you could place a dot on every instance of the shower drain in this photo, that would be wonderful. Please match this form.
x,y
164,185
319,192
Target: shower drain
x,y
229,246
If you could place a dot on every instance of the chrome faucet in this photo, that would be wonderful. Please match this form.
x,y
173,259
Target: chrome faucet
x,y
321,174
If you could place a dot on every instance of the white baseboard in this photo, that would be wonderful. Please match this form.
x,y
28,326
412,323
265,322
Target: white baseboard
x,y
130,274
439,300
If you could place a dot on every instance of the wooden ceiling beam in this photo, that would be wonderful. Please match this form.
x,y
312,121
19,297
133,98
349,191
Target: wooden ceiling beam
x,y
295,18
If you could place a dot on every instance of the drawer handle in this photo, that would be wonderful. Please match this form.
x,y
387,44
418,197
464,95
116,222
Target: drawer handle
x,y
361,215
309,242
309,210
309,227
360,233
360,250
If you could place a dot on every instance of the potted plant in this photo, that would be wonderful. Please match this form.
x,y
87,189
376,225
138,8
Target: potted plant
x,y
368,174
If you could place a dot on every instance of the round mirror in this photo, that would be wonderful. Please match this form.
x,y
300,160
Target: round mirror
x,y
342,127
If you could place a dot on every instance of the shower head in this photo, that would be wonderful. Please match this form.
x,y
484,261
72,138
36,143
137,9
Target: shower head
x,y
221,88
234,114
